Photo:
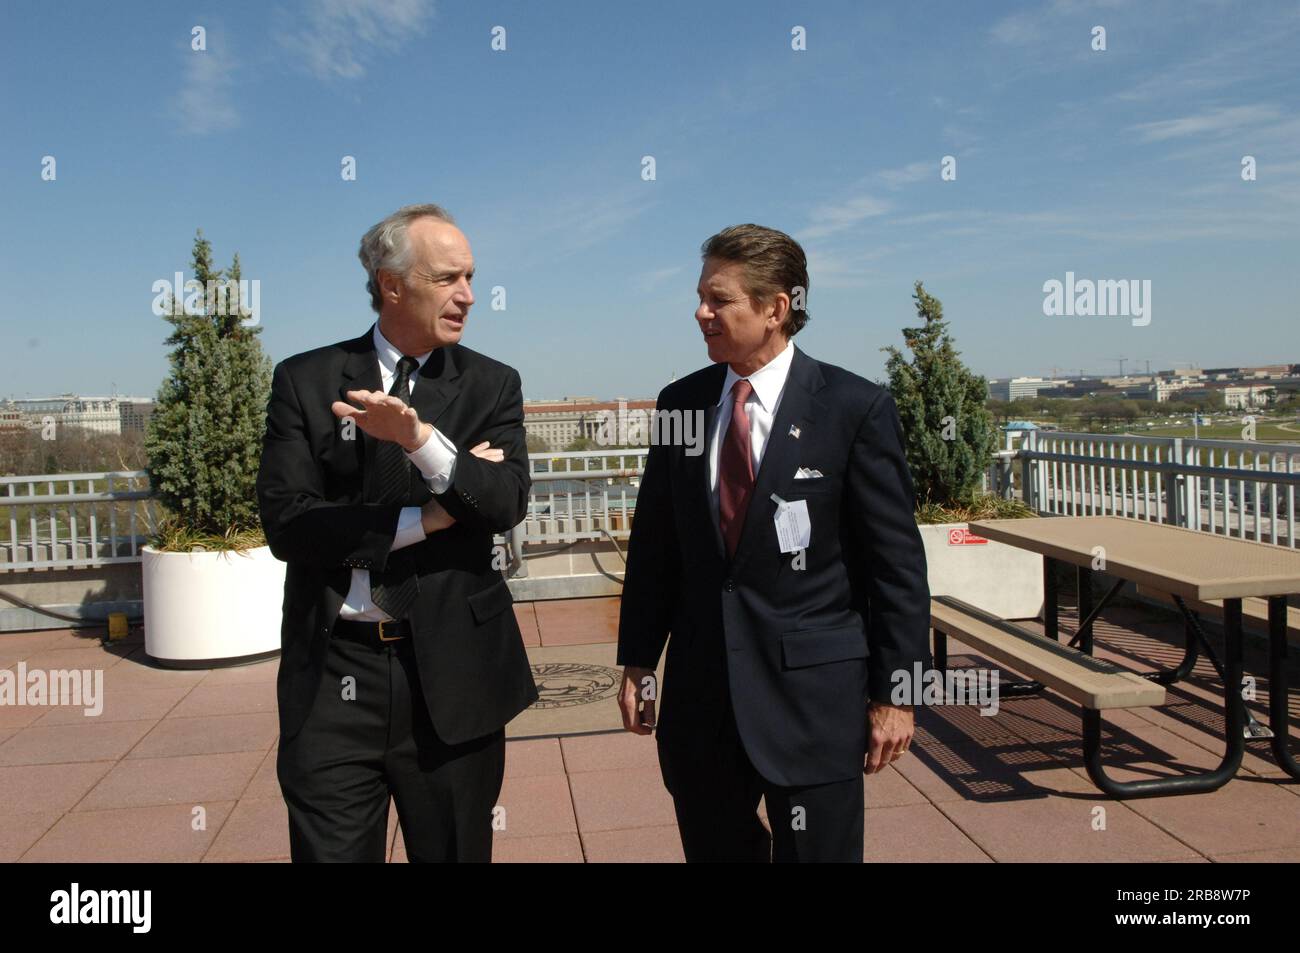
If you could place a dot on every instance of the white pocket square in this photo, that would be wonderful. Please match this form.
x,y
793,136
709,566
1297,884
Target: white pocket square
x,y
805,473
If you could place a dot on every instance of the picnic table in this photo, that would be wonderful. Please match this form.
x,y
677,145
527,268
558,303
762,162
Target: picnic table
x,y
1189,566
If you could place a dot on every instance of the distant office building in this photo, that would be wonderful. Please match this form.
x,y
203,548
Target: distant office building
x,y
1017,387
134,413
11,418
1251,395
560,422
1128,381
96,414
1264,371
1165,390
1081,387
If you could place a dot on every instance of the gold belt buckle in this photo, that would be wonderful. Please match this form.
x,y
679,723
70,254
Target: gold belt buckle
x,y
389,638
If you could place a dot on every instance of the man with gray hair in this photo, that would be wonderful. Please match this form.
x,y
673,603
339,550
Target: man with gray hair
x,y
389,463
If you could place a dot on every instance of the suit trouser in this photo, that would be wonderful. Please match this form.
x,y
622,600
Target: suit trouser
x,y
352,753
716,790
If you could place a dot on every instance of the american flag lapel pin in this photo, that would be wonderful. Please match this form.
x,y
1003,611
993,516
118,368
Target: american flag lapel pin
x,y
794,431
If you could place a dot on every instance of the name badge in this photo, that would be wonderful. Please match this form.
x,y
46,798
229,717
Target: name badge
x,y
793,525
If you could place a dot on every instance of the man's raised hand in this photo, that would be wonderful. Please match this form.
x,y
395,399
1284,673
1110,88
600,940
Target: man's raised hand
x,y
385,417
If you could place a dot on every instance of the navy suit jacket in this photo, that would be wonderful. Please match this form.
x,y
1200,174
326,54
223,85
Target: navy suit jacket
x,y
798,651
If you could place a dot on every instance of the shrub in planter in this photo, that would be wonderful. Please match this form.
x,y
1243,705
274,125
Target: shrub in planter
x,y
208,571
948,433
949,438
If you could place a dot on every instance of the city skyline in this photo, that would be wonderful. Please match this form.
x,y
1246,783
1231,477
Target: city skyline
x,y
577,394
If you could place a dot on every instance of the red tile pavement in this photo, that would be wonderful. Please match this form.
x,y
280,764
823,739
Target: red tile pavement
x,y
534,757
637,846
208,735
915,833
553,848
578,621
168,833
187,779
107,741
538,804
611,751
144,704
18,832
255,830
612,800
526,614
125,785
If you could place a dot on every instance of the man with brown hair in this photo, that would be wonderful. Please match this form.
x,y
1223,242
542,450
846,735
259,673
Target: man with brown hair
x,y
786,565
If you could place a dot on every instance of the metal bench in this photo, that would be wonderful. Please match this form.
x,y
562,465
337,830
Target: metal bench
x,y
1094,684
1253,610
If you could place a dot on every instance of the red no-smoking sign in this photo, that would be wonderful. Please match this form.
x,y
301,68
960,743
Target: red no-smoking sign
x,y
964,537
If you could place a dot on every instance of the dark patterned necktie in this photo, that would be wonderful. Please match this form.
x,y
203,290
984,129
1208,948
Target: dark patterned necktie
x,y
735,469
394,590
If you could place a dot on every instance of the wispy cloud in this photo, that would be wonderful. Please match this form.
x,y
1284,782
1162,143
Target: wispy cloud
x,y
830,219
1018,29
336,38
205,103
1211,122
851,268
1033,26
548,229
655,280
1267,47
907,174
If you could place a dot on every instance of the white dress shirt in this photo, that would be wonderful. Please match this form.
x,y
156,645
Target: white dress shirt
x,y
769,384
436,460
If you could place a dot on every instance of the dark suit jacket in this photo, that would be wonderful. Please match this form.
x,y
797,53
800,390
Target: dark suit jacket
x,y
311,492
799,651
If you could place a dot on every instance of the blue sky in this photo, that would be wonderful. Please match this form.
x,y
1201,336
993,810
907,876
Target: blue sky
x,y
1121,164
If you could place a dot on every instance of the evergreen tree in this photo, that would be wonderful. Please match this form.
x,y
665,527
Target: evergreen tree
x,y
204,439
948,432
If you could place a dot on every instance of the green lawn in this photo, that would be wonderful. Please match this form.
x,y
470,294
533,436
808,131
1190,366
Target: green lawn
x,y
1266,431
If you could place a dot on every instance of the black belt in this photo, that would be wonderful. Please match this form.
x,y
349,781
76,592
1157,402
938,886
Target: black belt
x,y
373,634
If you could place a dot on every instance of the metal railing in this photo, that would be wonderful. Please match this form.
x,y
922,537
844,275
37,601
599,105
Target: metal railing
x,y
1236,488
75,520
83,520
1240,488
582,495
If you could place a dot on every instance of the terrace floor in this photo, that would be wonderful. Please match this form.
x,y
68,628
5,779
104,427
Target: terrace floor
x,y
124,786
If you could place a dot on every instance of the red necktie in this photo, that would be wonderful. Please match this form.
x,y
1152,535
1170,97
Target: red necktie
x,y
735,469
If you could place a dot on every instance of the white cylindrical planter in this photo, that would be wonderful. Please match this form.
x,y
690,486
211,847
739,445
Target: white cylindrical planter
x,y
213,608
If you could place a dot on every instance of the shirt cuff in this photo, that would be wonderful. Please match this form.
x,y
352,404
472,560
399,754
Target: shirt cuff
x,y
410,529
436,460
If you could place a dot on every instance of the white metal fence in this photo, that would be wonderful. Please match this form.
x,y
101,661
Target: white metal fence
x,y
82,520
75,520
1240,488
1236,488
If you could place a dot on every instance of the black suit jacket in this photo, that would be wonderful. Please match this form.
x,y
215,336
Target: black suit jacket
x,y
798,650
311,491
